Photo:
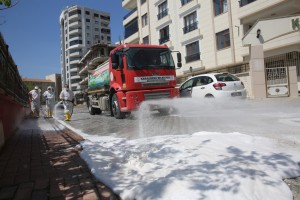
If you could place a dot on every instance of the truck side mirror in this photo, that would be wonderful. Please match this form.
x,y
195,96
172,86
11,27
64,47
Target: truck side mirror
x,y
179,64
114,61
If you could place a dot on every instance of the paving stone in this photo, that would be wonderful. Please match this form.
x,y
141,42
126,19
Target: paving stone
x,y
39,165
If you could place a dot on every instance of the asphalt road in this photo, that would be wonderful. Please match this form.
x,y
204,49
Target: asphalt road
x,y
274,118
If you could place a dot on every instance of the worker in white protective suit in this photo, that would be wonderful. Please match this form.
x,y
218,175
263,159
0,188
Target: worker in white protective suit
x,y
34,97
67,96
49,96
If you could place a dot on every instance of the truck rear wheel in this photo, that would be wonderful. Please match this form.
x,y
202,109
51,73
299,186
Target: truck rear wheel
x,y
92,110
115,106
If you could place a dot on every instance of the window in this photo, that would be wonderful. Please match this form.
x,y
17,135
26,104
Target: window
x,y
146,40
145,20
245,2
164,35
183,2
162,10
87,20
87,12
88,34
220,6
223,39
190,22
96,15
202,80
143,1
87,42
96,29
192,52
96,22
74,42
131,28
108,38
88,27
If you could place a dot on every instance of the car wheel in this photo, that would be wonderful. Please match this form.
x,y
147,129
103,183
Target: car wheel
x,y
209,96
115,106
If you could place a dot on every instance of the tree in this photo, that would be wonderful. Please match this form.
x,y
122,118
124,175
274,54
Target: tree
x,y
5,4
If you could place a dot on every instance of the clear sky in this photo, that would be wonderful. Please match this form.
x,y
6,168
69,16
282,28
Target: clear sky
x,y
32,31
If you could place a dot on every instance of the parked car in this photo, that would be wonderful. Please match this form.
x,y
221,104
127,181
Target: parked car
x,y
214,85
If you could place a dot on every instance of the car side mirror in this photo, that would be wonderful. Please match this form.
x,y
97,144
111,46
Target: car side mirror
x,y
179,64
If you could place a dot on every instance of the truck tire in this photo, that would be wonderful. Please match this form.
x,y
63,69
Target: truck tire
x,y
115,106
92,110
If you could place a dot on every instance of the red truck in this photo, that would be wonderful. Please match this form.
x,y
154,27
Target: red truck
x,y
134,73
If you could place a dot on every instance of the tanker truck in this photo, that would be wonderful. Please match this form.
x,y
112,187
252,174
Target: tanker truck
x,y
133,73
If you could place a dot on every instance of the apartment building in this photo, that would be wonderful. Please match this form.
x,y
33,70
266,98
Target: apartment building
x,y
209,33
80,28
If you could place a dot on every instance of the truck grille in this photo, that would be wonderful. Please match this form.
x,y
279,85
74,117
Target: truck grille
x,y
156,95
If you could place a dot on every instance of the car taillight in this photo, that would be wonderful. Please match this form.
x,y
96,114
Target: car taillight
x,y
218,86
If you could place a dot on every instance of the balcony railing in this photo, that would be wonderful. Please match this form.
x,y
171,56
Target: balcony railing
x,y
192,57
164,39
162,14
190,27
130,13
245,2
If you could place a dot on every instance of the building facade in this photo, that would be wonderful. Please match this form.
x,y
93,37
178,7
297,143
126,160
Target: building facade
x,y
80,28
209,33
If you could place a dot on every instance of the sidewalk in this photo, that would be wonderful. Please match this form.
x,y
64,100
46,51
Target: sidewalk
x,y
44,163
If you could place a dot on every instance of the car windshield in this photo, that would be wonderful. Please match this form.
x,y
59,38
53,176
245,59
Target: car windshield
x,y
149,58
226,77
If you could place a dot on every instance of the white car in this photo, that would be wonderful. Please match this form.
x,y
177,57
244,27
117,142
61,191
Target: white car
x,y
214,85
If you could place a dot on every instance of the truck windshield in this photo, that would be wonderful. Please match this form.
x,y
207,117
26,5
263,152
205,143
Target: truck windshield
x,y
149,58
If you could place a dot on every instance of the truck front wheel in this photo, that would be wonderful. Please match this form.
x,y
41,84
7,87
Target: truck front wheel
x,y
115,106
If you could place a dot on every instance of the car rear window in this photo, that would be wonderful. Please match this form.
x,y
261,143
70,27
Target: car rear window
x,y
226,77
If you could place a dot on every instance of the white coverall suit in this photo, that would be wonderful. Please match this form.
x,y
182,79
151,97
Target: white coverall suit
x,y
49,95
67,96
35,102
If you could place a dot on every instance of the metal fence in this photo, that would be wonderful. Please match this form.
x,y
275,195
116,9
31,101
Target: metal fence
x,y
11,83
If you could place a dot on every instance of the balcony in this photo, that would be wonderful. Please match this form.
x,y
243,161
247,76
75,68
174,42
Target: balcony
x,y
75,54
75,16
190,27
129,4
75,77
75,24
250,11
74,69
162,14
131,28
164,39
76,30
76,61
133,39
130,17
193,57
